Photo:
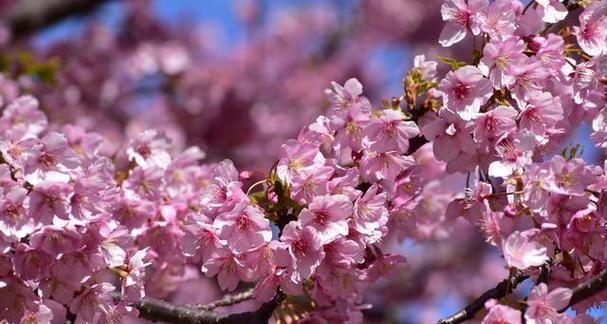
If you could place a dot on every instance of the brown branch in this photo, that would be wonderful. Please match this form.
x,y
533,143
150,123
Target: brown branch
x,y
503,289
160,310
588,289
27,16
580,293
228,300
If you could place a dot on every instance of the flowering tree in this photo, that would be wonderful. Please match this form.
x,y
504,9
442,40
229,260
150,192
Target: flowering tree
x,y
96,233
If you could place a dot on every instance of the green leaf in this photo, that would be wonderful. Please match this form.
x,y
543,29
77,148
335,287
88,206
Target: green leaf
x,y
453,63
572,151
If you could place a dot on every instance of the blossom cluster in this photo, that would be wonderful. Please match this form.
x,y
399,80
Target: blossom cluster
x,y
78,228
330,198
58,236
530,85
77,224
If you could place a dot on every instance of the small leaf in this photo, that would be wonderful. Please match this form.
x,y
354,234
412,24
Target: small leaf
x,y
453,63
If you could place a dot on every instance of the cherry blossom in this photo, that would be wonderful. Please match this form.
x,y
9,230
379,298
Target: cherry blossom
x,y
522,252
461,17
544,306
464,91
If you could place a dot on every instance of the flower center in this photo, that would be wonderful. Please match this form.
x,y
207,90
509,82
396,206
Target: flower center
x,y
461,90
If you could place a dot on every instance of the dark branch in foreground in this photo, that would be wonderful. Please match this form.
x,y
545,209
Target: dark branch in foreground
x,y
580,293
160,310
588,288
27,16
503,289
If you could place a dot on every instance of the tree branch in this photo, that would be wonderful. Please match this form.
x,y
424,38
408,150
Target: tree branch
x,y
588,289
580,293
503,289
27,16
228,300
160,310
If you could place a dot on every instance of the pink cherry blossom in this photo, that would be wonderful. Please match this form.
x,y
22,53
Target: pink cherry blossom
x,y
224,192
370,215
92,302
498,60
18,299
426,68
244,227
343,97
132,284
150,148
228,268
305,247
31,263
493,125
103,204
530,76
279,273
328,215
49,199
17,149
498,20
390,132
541,114
56,240
553,10
24,113
384,166
460,16
549,51
12,214
592,32
501,314
570,176
450,136
309,184
544,306
298,157
514,153
521,251
465,91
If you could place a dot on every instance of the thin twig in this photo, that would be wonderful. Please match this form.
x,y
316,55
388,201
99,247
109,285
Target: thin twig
x,y
228,300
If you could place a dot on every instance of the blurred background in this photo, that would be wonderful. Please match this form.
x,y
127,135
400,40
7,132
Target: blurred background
x,y
235,77
238,78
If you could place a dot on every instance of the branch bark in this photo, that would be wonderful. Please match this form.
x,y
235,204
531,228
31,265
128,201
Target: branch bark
x,y
580,293
160,310
588,289
228,300
27,16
